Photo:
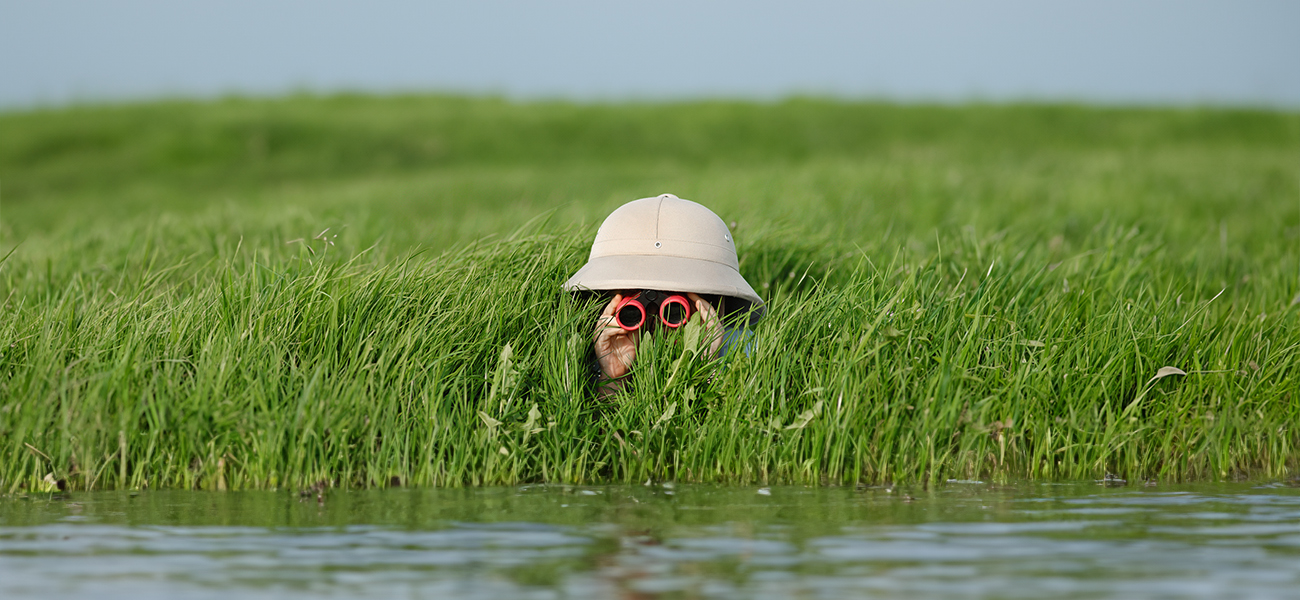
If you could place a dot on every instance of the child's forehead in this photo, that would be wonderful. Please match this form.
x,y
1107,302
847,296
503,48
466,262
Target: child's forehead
x,y
650,294
659,294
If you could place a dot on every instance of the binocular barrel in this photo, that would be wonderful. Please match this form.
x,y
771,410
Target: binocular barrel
x,y
673,311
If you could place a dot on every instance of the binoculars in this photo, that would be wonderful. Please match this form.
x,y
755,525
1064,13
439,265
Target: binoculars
x,y
673,309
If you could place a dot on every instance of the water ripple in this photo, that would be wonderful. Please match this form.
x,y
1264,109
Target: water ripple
x,y
963,541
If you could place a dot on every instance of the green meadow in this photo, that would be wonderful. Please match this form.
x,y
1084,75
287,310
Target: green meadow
x,y
364,291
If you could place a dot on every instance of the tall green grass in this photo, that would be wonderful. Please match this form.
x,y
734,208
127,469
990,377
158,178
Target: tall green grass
x,y
252,294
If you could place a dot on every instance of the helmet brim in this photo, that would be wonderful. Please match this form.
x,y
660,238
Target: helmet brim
x,y
666,273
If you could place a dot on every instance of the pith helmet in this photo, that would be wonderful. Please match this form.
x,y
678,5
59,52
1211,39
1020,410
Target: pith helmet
x,y
665,243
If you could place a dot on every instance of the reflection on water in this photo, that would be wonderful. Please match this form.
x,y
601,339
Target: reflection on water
x,y
962,540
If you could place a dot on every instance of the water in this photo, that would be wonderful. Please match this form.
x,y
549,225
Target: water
x,y
963,540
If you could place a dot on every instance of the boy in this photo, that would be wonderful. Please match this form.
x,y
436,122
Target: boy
x,y
665,258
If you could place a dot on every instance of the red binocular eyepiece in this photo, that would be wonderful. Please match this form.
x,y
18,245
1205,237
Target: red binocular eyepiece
x,y
673,309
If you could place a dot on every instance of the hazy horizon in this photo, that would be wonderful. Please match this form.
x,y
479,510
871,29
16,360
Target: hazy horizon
x,y
1108,52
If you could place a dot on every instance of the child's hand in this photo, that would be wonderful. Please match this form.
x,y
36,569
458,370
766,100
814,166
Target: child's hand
x,y
615,346
713,329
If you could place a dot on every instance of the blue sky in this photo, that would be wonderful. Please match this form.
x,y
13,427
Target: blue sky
x,y
1163,52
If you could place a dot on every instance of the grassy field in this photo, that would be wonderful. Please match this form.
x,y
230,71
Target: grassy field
x,y
364,291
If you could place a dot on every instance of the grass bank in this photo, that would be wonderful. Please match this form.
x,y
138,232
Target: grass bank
x,y
252,294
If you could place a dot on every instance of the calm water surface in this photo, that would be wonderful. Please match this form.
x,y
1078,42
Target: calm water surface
x,y
964,539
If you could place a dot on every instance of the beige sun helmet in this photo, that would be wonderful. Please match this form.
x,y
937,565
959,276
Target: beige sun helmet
x,y
669,244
